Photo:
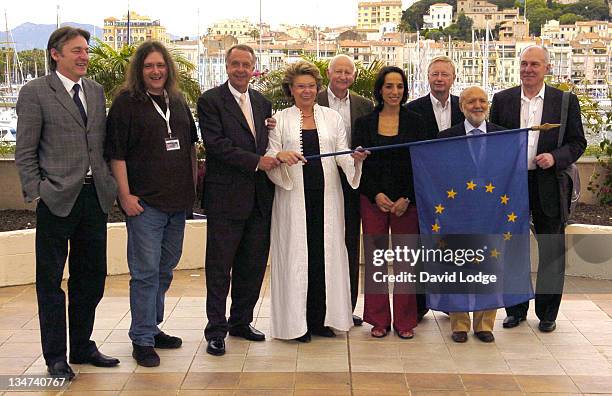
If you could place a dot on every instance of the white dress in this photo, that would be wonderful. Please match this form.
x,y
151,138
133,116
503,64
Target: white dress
x,y
288,246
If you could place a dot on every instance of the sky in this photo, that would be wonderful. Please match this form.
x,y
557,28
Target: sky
x,y
181,16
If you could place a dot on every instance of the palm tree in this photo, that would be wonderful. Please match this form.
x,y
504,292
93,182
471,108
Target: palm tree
x,y
108,67
270,84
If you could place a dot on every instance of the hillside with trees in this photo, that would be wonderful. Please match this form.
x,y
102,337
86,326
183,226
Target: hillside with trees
x,y
538,12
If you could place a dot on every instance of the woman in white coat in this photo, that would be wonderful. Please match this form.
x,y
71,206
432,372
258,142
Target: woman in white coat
x,y
310,288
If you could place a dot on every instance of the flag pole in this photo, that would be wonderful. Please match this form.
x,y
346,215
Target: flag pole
x,y
543,127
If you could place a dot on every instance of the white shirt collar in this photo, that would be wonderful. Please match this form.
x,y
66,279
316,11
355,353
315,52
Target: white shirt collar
x,y
469,127
436,102
539,95
331,95
68,83
237,94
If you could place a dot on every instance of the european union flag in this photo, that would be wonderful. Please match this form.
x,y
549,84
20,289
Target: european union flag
x,y
473,208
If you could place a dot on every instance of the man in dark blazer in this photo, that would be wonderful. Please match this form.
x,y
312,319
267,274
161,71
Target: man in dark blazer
x,y
474,104
341,74
237,198
439,111
533,103
60,143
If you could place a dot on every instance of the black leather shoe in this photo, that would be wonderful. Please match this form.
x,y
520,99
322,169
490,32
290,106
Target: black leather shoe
x,y
324,332
305,338
421,315
512,321
459,336
145,355
247,332
61,369
485,336
165,341
357,321
97,359
547,326
216,346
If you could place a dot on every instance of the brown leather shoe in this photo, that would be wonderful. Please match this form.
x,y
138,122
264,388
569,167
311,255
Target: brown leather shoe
x,y
459,336
485,336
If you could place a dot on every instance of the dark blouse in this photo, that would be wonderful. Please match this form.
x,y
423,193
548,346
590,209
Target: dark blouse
x,y
136,133
313,169
388,171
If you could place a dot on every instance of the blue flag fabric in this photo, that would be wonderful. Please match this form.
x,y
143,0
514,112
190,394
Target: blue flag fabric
x,y
472,196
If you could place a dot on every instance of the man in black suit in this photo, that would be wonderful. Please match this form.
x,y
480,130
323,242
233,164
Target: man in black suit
x,y
474,104
439,111
341,73
237,197
533,103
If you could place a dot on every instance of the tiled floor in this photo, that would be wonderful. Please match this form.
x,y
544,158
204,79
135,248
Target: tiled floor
x,y
575,359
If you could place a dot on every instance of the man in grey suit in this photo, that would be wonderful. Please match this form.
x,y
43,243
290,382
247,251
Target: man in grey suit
x,y
341,73
60,140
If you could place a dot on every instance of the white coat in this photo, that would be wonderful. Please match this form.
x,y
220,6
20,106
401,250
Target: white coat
x,y
288,247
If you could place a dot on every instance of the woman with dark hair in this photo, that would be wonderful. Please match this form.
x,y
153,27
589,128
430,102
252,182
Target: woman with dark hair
x,y
310,290
387,198
150,141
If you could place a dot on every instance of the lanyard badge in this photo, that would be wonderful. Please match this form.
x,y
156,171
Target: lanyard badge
x,y
172,143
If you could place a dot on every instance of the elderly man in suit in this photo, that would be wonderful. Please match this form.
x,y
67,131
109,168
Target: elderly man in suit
x,y
237,197
341,74
534,103
439,111
474,104
59,154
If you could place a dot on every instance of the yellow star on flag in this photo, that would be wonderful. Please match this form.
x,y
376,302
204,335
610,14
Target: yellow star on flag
x,y
490,187
451,194
471,185
512,218
478,261
495,253
435,227
507,236
439,209
504,199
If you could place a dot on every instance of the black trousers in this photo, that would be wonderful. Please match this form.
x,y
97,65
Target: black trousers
x,y
352,233
236,254
85,229
315,300
551,267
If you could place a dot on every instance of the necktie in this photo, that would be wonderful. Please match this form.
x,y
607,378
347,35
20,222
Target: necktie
x,y
245,110
476,131
477,146
77,101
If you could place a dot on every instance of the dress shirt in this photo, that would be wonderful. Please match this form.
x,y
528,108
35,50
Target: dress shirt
x,y
531,114
342,106
237,95
442,112
69,84
469,127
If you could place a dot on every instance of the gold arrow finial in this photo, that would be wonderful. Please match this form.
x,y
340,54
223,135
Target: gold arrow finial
x,y
545,127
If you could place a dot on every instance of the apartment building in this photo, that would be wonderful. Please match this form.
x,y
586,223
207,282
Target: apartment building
x,y
370,15
141,28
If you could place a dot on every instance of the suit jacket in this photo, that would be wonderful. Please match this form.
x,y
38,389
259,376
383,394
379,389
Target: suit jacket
x,y
55,148
360,106
232,185
459,130
506,111
424,107
365,135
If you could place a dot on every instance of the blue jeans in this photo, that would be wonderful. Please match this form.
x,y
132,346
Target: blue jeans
x,y
155,243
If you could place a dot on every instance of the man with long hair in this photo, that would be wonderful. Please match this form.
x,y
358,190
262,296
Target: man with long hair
x,y
151,144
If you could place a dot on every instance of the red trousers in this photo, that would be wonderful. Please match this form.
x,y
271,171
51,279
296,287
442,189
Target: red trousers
x,y
376,225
